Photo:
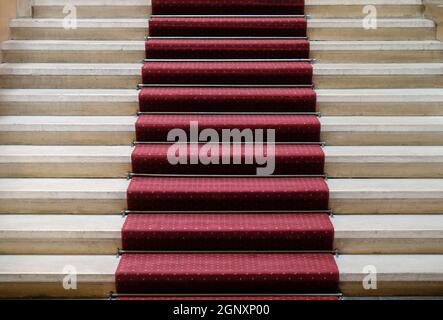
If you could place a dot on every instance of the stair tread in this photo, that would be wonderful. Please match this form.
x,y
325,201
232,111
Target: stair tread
x,y
116,188
79,45
40,268
131,95
126,123
133,69
416,22
86,154
89,45
61,226
104,227
73,95
43,268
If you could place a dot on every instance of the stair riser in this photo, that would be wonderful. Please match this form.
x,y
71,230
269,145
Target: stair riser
x,y
55,107
130,82
373,82
380,139
399,170
388,245
68,138
78,34
121,170
67,170
74,56
372,34
103,290
86,245
79,82
65,206
115,56
90,289
110,11
127,137
314,33
393,288
52,246
356,11
374,108
363,56
332,11
114,206
404,206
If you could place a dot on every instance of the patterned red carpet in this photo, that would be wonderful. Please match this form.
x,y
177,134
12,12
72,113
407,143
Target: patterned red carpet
x,y
229,73
227,273
288,128
222,99
254,231
290,159
228,7
164,48
227,27
224,227
227,193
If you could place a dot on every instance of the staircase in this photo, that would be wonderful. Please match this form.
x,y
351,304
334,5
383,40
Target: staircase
x,y
68,118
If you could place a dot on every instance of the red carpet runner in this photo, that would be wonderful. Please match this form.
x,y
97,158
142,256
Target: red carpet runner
x,y
226,272
227,48
255,231
289,160
228,7
223,207
240,73
235,99
227,27
288,128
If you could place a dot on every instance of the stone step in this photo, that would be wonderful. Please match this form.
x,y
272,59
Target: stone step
x,y
38,51
81,102
80,234
95,102
98,8
120,130
72,75
127,76
73,51
142,8
108,196
42,275
136,29
355,8
18,161
376,51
